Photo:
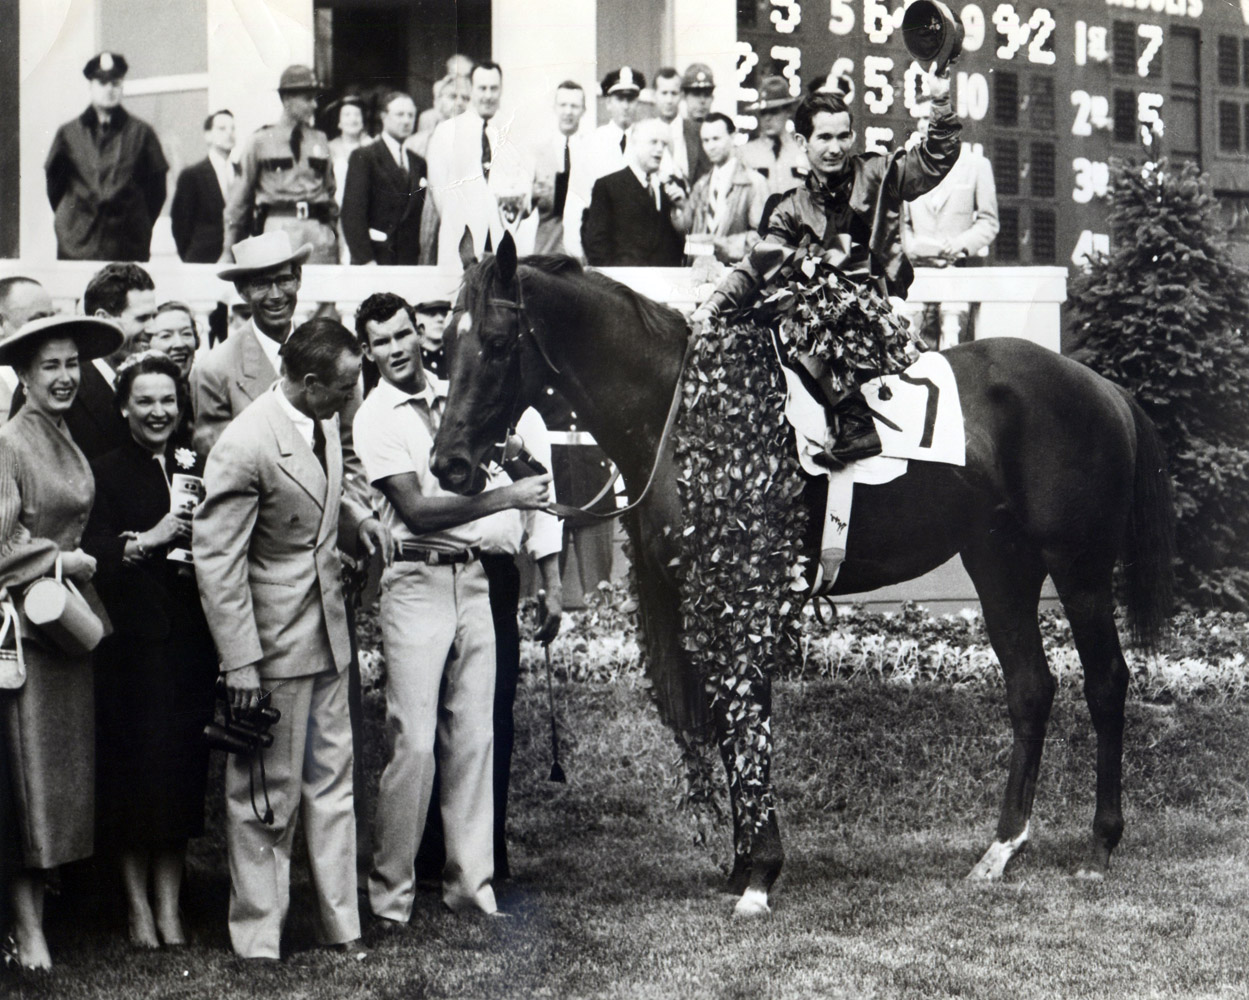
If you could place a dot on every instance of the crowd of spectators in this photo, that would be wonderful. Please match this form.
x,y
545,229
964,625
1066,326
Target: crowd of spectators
x,y
120,413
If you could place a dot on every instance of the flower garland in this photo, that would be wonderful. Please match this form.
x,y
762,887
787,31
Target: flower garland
x,y
740,487
743,572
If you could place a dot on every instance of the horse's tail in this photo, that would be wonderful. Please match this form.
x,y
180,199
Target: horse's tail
x,y
1149,553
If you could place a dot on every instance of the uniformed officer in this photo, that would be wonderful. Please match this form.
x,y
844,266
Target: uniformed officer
x,y
775,153
286,177
105,174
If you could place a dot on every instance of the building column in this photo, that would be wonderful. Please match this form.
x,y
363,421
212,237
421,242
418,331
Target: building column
x,y
539,45
705,31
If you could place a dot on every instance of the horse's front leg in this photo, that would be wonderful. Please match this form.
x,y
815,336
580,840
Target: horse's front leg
x,y
742,708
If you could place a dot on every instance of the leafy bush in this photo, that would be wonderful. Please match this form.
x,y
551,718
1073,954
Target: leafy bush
x,y
1164,316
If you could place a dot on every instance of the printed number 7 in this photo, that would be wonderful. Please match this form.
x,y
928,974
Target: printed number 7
x,y
930,410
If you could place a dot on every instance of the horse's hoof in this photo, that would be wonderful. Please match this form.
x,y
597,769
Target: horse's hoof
x,y
991,867
754,903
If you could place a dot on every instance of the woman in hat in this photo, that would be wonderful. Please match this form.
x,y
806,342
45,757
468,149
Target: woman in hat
x,y
46,492
155,673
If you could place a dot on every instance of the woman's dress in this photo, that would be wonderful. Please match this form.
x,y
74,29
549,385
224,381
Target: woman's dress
x,y
155,673
46,491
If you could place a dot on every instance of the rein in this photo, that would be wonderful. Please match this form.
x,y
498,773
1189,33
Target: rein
x,y
584,511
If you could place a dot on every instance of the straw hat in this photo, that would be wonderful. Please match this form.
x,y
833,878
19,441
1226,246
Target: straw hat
x,y
263,253
95,337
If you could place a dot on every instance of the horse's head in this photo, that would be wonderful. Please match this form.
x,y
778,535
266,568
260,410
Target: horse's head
x,y
485,364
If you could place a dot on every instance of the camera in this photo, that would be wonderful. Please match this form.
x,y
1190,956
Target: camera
x,y
242,732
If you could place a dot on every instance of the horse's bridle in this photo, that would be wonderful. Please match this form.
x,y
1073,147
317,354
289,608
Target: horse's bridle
x,y
565,510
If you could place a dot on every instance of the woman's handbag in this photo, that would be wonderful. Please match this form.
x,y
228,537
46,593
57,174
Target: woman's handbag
x,y
12,662
63,614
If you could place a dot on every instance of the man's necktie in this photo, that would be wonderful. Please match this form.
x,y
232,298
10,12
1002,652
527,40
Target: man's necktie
x,y
776,145
318,442
623,140
297,141
561,182
486,155
653,184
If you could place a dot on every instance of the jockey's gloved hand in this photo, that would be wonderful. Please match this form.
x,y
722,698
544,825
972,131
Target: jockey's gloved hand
x,y
703,315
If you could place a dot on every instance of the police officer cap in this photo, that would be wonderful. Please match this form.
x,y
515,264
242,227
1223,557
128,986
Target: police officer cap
x,y
625,80
436,306
773,95
297,78
106,67
698,77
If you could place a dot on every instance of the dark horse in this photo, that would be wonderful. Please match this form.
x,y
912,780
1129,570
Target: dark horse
x,y
1065,475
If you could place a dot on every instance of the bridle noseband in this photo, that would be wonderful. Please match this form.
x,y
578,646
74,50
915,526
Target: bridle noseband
x,y
565,510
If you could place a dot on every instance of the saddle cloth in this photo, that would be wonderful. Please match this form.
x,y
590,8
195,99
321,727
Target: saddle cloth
x,y
921,417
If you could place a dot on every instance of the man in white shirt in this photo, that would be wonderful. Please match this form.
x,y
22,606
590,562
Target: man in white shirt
x,y
464,154
775,153
621,87
568,151
436,626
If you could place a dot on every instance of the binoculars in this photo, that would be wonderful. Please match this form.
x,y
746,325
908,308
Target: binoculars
x,y
241,732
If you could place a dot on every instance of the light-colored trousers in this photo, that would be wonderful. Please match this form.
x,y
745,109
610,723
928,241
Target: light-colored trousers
x,y
308,773
436,624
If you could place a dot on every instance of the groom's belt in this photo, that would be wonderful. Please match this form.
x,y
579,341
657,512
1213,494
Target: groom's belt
x,y
432,557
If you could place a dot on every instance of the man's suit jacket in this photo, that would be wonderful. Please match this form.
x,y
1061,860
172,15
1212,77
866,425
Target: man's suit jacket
x,y
961,209
196,214
379,197
92,419
265,544
224,383
699,164
623,228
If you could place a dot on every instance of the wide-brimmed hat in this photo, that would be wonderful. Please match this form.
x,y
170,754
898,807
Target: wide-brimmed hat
x,y
773,95
263,253
106,66
96,337
298,78
625,80
698,78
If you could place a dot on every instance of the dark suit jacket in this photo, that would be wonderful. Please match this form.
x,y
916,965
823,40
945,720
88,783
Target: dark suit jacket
x,y
378,196
156,596
699,164
622,227
92,420
196,214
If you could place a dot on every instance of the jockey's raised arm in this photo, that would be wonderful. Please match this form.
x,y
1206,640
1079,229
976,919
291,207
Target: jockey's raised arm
x,y
850,203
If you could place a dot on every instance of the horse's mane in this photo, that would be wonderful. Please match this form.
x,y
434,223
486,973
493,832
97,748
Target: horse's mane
x,y
660,322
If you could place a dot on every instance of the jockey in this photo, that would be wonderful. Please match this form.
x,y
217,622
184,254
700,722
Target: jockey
x,y
850,206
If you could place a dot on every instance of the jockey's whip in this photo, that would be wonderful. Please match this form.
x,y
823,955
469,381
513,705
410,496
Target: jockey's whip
x,y
557,772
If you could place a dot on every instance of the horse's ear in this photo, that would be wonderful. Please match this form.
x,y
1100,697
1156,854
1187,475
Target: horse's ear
x,y
506,257
468,256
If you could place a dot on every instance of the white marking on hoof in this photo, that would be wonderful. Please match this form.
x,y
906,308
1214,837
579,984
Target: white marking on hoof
x,y
754,903
1090,875
990,867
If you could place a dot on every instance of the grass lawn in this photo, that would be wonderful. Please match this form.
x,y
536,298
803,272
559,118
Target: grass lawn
x,y
888,793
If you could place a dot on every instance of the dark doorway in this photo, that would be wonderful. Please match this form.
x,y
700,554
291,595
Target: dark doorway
x,y
10,152
368,47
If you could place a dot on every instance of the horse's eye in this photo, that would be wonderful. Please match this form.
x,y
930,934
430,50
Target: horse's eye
x,y
493,347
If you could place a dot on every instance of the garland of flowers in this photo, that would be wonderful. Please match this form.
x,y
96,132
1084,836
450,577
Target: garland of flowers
x,y
743,572
740,487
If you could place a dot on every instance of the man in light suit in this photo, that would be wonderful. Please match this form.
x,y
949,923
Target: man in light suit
x,y
385,192
200,197
950,226
266,558
568,154
267,276
725,207
465,153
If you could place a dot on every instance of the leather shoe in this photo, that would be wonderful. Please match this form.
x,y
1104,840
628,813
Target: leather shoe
x,y
354,949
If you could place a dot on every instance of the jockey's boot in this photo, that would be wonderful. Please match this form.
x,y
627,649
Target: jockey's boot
x,y
853,434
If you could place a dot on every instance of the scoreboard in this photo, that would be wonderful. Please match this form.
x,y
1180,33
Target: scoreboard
x,y
1050,91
